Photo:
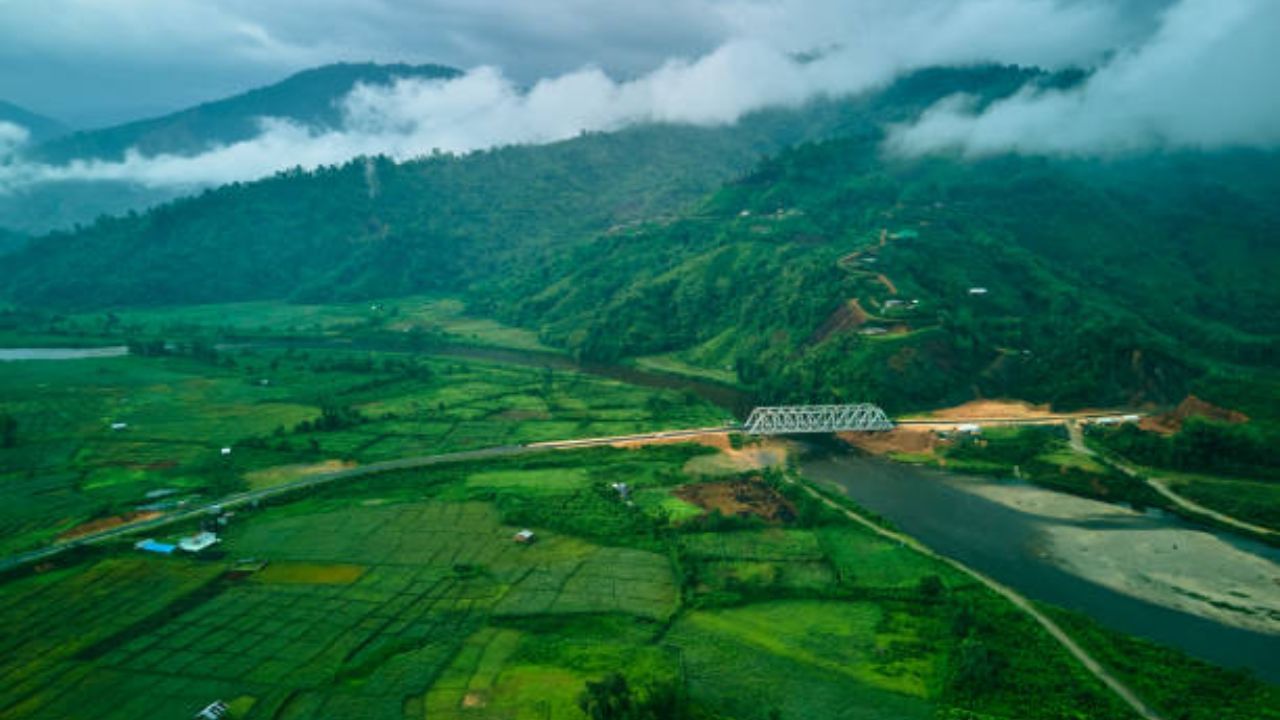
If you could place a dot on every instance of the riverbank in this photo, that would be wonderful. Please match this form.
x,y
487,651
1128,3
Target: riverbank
x,y
1092,557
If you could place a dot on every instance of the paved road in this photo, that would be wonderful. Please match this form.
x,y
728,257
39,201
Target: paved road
x,y
246,498
1017,599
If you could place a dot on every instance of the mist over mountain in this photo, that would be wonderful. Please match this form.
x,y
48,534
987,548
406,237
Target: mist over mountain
x,y
19,126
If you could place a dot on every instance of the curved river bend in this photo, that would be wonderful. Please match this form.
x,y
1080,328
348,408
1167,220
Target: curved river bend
x,y
953,516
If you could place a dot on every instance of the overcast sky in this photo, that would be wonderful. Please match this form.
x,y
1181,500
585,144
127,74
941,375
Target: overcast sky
x,y
97,62
1164,73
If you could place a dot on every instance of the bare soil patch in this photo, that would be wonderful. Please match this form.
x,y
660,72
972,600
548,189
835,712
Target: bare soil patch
x,y
1171,422
980,409
901,439
849,316
107,523
741,498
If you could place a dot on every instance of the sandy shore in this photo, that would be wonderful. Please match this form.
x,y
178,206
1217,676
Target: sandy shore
x,y
1181,568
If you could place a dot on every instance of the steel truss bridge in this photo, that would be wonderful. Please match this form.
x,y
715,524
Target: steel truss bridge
x,y
789,419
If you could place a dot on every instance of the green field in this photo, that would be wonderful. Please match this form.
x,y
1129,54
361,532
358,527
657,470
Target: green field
x,y
405,596
283,413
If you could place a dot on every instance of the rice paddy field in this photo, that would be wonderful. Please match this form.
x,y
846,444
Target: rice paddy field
x,y
104,436
405,595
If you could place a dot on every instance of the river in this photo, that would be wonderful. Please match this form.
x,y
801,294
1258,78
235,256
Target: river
x,y
957,516
15,354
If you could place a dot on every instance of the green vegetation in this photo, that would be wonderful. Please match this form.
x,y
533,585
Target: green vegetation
x,y
404,595
283,414
1167,679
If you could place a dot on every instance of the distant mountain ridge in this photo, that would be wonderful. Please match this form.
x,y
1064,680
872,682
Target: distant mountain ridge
x,y
40,127
308,97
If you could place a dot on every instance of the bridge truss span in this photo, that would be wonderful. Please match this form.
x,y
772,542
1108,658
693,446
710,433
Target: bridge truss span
x,y
787,419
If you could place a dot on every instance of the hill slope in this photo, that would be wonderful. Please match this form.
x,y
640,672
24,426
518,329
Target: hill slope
x,y
309,97
835,272
438,223
40,127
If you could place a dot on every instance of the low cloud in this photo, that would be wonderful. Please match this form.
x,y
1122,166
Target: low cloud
x,y
1204,80
863,44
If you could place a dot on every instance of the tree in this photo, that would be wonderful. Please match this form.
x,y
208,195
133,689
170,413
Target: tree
x,y
607,699
8,431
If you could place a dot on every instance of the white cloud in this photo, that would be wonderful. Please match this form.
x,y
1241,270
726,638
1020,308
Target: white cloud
x,y
866,43
1204,80
11,137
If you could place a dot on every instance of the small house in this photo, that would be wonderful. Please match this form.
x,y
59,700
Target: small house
x,y
153,546
117,426
216,710
226,451
198,542
524,537
969,429
977,291
623,490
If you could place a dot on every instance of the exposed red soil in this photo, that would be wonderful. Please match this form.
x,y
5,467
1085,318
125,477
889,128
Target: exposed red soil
x,y
107,523
1171,422
887,283
849,316
901,439
743,498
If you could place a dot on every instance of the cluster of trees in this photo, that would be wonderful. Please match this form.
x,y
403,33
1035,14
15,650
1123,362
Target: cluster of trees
x,y
1201,445
613,698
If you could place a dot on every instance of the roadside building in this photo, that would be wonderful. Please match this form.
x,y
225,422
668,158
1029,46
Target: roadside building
x,y
199,542
153,546
969,429
216,710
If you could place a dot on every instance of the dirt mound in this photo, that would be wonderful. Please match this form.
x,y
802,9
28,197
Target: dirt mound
x,y
902,439
742,498
1171,422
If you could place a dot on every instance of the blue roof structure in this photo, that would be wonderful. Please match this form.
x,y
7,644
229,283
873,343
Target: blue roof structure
x,y
156,547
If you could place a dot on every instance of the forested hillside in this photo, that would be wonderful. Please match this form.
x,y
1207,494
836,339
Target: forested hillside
x,y
831,271
836,272
377,228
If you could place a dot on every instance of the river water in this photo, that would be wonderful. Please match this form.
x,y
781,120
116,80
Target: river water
x,y
14,354
1008,544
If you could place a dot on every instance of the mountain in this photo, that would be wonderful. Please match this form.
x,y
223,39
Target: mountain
x,y
836,272
830,270
309,98
436,223
40,127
